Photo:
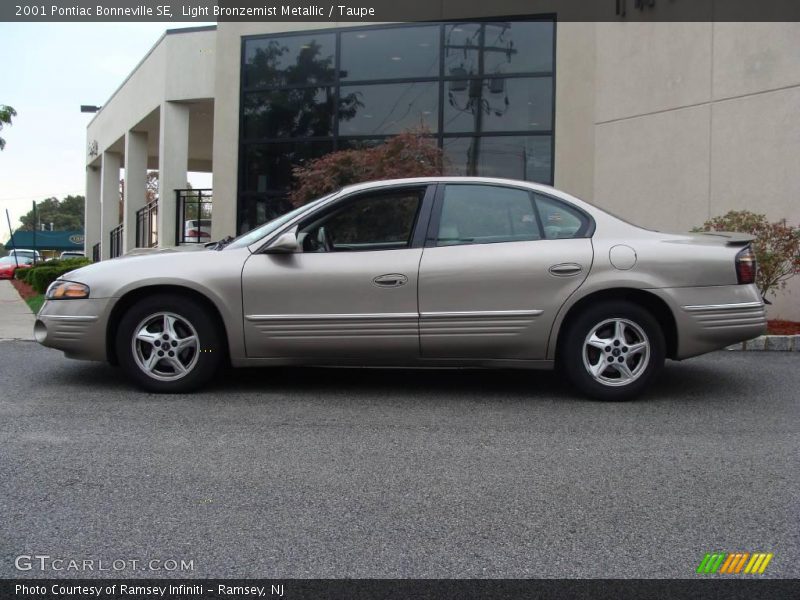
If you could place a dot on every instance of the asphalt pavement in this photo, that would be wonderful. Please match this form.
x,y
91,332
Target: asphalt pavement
x,y
392,473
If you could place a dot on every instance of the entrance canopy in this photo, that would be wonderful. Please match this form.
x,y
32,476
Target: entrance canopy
x,y
47,240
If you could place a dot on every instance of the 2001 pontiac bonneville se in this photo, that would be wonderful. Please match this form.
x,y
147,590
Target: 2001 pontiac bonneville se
x,y
465,272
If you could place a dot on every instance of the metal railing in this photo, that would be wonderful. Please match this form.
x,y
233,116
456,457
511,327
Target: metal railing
x,y
147,225
96,252
115,237
193,220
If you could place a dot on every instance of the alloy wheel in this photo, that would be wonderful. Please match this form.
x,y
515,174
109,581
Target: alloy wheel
x,y
165,346
616,352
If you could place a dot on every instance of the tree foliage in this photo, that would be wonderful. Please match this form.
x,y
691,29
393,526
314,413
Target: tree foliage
x,y
776,246
409,154
6,114
65,214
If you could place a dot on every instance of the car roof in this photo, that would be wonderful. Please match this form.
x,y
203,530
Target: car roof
x,y
450,179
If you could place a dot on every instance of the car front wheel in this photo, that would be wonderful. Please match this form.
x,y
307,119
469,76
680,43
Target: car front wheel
x,y
169,344
613,350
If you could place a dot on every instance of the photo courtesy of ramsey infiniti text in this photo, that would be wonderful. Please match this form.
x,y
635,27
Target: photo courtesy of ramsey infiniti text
x,y
433,272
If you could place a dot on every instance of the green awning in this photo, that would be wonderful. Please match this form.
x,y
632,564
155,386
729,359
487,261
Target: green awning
x,y
47,240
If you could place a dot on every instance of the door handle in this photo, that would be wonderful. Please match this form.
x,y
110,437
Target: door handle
x,y
566,269
390,280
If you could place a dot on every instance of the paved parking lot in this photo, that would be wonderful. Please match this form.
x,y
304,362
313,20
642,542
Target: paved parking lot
x,y
393,473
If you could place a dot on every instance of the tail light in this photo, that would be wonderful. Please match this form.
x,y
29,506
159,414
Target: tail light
x,y
746,266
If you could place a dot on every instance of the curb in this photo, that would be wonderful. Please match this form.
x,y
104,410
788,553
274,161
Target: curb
x,y
775,343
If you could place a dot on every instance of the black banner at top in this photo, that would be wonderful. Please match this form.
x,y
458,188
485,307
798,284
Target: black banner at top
x,y
356,11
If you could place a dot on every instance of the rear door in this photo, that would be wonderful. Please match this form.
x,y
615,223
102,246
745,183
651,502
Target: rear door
x,y
498,264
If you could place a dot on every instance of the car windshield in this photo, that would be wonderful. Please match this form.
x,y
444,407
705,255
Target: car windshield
x,y
23,260
267,228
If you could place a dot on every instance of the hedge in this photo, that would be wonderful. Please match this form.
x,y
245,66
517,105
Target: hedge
x,y
42,276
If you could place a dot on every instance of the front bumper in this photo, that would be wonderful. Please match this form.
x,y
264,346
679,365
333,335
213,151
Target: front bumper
x,y
76,327
711,318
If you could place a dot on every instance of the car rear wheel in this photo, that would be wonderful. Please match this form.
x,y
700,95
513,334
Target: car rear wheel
x,y
613,350
169,344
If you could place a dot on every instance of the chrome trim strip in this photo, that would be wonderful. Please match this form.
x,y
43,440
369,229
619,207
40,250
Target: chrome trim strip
x,y
712,307
481,313
342,317
70,318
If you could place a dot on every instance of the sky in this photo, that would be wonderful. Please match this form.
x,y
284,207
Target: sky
x,y
49,70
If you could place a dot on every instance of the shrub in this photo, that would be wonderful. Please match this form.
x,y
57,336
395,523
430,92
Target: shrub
x,y
409,154
42,276
776,246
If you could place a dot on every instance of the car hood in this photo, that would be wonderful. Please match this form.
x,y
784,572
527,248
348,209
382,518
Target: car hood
x,y
170,266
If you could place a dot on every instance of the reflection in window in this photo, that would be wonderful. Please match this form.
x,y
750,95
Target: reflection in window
x,y
297,60
382,222
287,113
261,209
559,220
392,53
499,104
514,157
495,104
484,214
268,167
503,48
391,108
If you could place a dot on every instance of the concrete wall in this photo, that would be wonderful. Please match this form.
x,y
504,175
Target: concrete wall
x,y
179,67
696,119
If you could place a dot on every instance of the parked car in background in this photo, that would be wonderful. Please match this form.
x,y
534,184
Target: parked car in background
x,y
24,252
429,272
197,230
10,264
71,254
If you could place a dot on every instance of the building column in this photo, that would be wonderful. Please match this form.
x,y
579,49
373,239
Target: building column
x,y
109,200
91,210
135,190
173,163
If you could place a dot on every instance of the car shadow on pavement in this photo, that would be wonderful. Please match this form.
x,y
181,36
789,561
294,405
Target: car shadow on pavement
x,y
686,380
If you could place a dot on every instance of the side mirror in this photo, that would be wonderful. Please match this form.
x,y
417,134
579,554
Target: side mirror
x,y
285,244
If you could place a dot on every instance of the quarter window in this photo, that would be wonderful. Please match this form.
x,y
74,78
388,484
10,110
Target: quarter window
x,y
482,214
560,221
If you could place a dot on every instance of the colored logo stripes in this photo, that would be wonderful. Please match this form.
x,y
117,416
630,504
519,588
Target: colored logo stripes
x,y
734,563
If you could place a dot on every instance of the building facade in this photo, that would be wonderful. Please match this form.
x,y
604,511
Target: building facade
x,y
666,124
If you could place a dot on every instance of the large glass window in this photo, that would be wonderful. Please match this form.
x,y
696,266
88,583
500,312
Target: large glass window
x,y
483,90
511,156
389,108
390,53
289,60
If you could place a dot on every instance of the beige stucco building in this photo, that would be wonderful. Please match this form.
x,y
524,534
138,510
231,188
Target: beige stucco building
x,y
666,124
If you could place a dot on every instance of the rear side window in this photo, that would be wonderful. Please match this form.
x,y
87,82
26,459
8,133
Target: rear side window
x,y
559,220
484,214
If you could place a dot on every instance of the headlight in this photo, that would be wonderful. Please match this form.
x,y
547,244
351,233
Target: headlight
x,y
66,290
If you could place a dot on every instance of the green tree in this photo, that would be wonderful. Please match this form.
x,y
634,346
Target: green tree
x,y
6,113
63,214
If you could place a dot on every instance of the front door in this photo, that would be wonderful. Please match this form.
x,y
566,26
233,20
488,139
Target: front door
x,y
500,263
350,293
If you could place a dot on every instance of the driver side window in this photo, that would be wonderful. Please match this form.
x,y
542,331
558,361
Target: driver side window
x,y
374,221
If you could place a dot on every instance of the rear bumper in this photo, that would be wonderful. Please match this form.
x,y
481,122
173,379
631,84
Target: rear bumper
x,y
711,318
76,327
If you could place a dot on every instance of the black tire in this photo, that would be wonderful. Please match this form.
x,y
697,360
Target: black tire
x,y
201,359
611,384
